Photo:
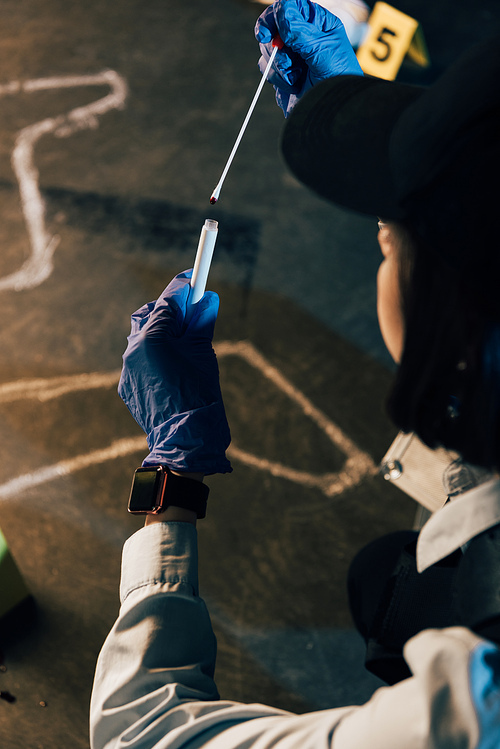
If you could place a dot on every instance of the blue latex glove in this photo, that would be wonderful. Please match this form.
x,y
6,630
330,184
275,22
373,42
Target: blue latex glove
x,y
316,48
170,382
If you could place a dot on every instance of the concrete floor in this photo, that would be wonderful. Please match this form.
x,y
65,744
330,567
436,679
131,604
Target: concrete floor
x,y
125,195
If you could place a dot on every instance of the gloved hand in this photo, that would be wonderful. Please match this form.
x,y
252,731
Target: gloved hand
x,y
316,48
170,382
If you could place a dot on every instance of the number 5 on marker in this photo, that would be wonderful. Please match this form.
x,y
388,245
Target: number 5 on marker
x,y
392,35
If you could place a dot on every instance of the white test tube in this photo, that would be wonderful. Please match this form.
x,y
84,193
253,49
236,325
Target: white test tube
x,y
203,260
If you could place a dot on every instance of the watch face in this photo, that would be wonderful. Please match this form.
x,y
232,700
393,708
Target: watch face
x,y
147,490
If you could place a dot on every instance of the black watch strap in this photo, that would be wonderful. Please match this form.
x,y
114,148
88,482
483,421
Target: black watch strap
x,y
187,493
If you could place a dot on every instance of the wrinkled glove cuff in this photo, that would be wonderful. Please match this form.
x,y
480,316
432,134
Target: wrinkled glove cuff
x,y
176,442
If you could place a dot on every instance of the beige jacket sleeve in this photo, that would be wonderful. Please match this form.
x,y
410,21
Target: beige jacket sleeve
x,y
154,685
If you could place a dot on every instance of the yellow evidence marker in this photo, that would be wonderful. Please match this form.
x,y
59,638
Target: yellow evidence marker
x,y
392,35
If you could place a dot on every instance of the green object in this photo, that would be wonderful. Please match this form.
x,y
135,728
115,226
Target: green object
x,y
13,589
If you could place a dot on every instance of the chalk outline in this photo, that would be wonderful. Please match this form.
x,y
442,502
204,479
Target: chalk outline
x,y
358,464
38,266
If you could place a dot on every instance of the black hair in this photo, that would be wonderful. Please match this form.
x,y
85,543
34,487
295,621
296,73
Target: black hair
x,y
447,388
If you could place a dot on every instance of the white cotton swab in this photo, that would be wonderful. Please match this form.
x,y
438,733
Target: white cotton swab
x,y
277,44
210,228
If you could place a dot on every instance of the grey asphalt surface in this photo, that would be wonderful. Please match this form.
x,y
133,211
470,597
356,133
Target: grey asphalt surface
x,y
126,196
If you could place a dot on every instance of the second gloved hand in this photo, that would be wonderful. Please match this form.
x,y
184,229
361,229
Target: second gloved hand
x,y
316,48
170,382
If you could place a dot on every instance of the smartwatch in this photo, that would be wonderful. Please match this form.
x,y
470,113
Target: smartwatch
x,y
155,488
